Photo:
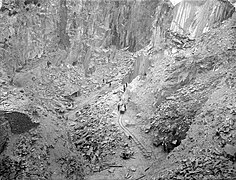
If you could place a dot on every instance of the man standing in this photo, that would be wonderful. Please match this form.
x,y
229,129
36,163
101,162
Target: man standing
x,y
124,88
118,107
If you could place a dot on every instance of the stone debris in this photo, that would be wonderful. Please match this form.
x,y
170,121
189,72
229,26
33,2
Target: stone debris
x,y
133,169
128,176
111,170
127,154
230,150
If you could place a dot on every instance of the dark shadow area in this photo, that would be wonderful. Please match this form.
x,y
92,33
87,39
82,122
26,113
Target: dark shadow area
x,y
19,122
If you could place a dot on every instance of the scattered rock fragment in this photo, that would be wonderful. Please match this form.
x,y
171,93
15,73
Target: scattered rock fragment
x,y
157,142
230,150
111,170
127,154
132,168
128,176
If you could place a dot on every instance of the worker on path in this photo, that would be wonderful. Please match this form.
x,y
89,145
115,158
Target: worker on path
x,y
120,103
118,107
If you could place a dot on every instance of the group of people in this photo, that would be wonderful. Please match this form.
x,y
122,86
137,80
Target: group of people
x,y
106,82
122,104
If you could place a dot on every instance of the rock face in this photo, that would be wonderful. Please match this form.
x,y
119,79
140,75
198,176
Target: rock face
x,y
140,67
156,33
161,24
131,23
196,17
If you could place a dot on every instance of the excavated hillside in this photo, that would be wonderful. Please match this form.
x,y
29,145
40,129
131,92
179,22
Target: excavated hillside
x,y
115,90
194,107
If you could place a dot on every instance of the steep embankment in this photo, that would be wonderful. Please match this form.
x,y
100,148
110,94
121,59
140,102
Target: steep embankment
x,y
194,101
204,100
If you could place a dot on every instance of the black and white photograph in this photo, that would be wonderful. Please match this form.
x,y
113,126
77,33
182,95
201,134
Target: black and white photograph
x,y
117,89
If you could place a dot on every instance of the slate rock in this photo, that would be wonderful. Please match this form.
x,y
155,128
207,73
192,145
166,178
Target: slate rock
x,y
111,170
157,142
133,169
230,150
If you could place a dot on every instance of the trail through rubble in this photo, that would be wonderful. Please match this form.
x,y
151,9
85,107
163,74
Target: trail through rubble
x,y
131,136
135,158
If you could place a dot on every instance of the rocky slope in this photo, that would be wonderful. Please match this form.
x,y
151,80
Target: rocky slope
x,y
193,107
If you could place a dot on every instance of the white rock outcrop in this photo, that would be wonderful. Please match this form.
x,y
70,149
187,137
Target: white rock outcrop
x,y
194,17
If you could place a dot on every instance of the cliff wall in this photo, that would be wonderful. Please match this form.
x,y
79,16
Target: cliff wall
x,y
196,17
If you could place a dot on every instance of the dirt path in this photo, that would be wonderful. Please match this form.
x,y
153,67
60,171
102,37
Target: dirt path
x,y
130,135
140,165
